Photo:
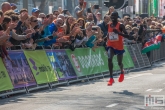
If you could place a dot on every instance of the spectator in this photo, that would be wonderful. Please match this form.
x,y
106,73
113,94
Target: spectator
x,y
77,37
131,38
90,17
13,6
42,16
81,22
92,35
98,16
149,21
56,13
104,25
5,6
69,22
80,10
60,16
35,12
111,9
126,20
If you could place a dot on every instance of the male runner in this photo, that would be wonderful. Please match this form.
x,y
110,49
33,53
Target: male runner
x,y
116,32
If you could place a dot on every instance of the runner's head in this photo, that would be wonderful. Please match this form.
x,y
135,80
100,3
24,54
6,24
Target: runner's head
x,y
114,16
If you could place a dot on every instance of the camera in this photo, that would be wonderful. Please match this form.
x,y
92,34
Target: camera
x,y
96,6
65,11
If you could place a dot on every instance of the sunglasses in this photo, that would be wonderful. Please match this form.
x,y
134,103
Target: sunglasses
x,y
35,21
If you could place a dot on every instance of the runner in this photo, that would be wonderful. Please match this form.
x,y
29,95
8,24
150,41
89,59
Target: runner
x,y
116,32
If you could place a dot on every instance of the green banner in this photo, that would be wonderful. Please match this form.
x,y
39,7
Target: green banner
x,y
40,66
5,82
149,7
127,60
87,62
154,8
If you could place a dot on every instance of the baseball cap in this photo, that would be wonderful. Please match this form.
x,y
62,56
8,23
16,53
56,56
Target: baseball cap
x,y
35,10
13,4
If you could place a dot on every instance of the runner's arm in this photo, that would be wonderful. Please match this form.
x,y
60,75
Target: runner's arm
x,y
123,31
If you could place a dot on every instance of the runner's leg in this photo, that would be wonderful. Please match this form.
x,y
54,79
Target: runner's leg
x,y
110,65
110,61
119,60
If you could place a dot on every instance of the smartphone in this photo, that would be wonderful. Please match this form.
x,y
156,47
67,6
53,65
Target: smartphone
x,y
96,6
85,4
94,28
65,11
89,10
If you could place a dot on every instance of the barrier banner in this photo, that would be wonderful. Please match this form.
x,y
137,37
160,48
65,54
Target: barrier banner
x,y
154,8
5,82
61,64
19,71
40,66
87,62
127,60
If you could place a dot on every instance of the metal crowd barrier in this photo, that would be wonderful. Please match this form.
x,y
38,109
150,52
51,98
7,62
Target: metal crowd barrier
x,y
157,55
140,61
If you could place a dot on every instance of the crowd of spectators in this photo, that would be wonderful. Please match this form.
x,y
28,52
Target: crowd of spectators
x,y
61,30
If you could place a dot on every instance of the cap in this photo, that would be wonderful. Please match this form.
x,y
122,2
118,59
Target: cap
x,y
35,10
13,4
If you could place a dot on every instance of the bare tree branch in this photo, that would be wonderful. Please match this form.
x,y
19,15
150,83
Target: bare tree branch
x,y
34,2
42,5
12,1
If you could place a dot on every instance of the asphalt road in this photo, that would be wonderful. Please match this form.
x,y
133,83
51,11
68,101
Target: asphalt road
x,y
96,95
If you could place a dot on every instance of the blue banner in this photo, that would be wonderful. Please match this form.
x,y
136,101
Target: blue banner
x,y
61,64
19,70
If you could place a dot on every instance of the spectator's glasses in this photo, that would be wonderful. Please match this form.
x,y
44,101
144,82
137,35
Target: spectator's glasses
x,y
35,21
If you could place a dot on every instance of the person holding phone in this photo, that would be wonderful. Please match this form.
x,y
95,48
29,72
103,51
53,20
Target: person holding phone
x,y
80,11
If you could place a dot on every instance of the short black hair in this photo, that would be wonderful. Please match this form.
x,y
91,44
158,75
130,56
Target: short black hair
x,y
1,13
116,13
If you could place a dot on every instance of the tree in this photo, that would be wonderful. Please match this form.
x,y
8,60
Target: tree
x,y
12,1
42,5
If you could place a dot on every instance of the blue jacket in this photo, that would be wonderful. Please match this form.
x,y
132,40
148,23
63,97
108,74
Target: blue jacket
x,y
104,28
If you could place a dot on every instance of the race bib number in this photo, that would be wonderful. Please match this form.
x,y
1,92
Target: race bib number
x,y
113,36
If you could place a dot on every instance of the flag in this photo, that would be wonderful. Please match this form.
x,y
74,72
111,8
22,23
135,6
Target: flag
x,y
152,44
